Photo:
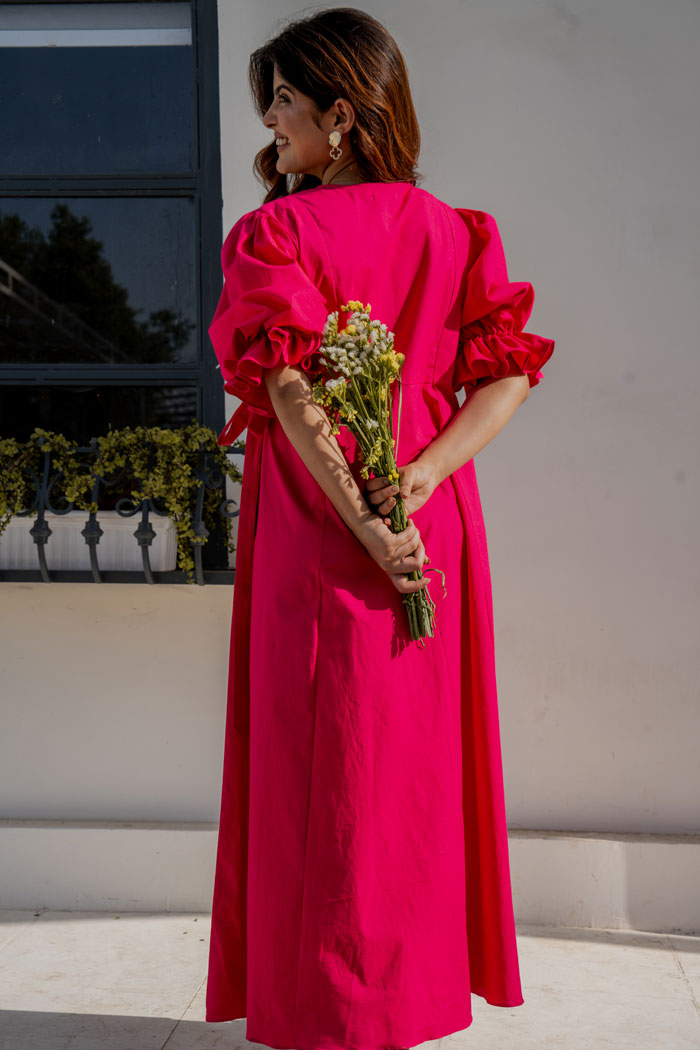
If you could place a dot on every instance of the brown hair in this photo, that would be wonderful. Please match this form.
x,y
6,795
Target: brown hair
x,y
342,52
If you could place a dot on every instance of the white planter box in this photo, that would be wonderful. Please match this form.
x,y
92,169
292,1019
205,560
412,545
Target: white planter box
x,y
118,548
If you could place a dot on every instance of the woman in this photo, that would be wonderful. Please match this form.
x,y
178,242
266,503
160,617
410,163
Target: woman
x,y
362,885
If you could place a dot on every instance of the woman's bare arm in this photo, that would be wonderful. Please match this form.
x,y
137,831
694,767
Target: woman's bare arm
x,y
308,428
478,420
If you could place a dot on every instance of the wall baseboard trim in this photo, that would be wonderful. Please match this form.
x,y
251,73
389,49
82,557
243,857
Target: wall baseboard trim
x,y
630,881
559,878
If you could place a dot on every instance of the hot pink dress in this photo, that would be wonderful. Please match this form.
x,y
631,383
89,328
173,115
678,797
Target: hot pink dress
x,y
362,887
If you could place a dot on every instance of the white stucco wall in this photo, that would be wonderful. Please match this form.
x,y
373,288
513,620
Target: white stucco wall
x,y
571,125
113,700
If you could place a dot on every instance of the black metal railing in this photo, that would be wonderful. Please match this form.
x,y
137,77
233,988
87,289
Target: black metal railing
x,y
210,554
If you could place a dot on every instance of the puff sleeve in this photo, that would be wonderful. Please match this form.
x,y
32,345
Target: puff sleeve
x,y
269,311
492,343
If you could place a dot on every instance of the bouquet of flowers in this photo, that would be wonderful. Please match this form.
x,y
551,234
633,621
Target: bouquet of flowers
x,y
361,364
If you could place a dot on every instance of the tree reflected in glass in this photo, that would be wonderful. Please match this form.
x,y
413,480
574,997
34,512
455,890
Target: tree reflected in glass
x,y
60,300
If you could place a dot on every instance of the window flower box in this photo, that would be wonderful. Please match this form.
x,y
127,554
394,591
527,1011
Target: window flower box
x,y
140,501
117,550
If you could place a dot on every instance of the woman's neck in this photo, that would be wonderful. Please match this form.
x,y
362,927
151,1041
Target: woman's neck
x,y
340,181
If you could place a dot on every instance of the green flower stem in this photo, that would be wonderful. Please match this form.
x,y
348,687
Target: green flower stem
x,y
419,604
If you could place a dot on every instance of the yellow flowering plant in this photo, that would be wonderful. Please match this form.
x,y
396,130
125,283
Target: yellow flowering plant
x,y
361,364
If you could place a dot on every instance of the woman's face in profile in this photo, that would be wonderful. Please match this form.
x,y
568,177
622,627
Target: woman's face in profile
x,y
306,146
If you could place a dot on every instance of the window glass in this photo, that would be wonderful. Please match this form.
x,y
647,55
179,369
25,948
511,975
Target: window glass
x,y
107,222
83,411
96,88
107,280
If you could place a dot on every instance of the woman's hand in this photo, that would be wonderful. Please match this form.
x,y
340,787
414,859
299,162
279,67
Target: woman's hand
x,y
417,482
397,553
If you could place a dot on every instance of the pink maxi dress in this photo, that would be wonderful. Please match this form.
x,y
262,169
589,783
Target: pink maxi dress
x,y
362,888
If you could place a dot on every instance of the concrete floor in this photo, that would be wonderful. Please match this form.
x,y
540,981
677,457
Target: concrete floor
x,y
95,981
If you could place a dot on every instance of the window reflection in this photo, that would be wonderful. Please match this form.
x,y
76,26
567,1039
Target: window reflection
x,y
96,88
84,411
101,280
100,234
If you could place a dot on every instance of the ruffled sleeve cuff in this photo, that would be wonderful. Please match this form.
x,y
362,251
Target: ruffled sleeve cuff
x,y
492,348
270,311
492,343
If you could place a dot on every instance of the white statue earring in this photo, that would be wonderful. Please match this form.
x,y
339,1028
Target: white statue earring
x,y
334,139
